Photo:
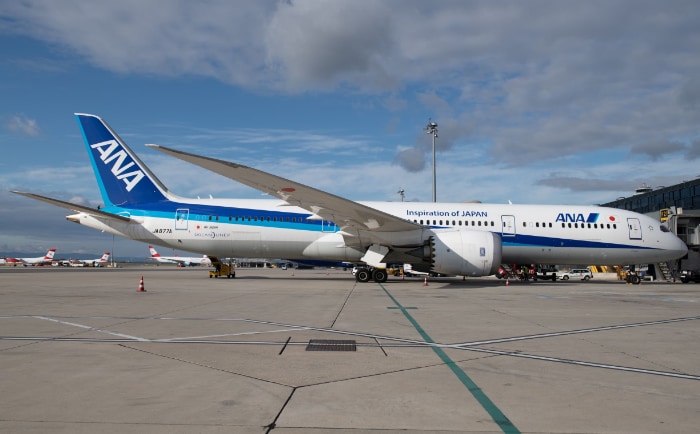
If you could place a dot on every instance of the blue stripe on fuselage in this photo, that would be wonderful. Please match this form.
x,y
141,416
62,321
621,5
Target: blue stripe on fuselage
x,y
211,214
537,241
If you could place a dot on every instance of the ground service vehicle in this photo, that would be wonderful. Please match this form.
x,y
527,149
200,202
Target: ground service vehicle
x,y
690,276
577,273
221,269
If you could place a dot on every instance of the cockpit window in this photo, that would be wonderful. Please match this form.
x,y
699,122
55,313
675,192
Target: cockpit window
x,y
665,228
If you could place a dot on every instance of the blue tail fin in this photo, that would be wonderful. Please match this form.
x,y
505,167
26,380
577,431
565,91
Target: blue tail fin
x,y
122,177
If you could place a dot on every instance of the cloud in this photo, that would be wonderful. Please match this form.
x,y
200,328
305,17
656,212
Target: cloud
x,y
689,94
656,150
511,83
693,150
572,183
313,44
411,159
217,39
24,125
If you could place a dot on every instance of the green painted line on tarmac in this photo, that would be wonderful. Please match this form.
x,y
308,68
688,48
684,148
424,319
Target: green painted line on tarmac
x,y
496,414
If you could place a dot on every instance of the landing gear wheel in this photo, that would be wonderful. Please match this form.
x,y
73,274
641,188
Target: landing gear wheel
x,y
634,279
363,275
379,275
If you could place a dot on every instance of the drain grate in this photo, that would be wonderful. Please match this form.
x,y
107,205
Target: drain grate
x,y
331,345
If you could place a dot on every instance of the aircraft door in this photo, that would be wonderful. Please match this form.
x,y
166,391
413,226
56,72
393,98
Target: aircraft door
x,y
635,228
182,215
508,225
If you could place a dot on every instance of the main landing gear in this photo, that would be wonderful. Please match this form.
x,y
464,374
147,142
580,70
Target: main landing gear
x,y
363,275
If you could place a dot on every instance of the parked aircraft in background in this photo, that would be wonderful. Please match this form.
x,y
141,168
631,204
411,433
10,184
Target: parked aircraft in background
x,y
10,261
39,260
303,223
186,261
99,262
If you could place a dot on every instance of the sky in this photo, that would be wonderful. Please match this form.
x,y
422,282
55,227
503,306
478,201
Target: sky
x,y
553,102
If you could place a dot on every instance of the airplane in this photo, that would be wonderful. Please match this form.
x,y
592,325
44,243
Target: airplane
x,y
10,261
99,262
185,261
304,223
39,260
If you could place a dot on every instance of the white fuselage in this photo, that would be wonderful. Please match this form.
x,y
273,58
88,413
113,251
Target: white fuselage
x,y
543,234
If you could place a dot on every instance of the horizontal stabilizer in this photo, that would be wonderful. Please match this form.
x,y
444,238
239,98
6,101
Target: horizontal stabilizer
x,y
73,206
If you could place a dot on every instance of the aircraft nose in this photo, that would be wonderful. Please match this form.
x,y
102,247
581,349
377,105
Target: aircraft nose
x,y
678,246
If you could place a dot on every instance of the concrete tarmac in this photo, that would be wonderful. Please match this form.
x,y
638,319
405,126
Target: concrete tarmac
x,y
83,351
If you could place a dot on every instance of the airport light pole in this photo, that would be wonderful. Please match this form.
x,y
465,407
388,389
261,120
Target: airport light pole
x,y
432,129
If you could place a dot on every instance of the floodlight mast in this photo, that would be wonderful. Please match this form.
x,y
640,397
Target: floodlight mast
x,y
432,129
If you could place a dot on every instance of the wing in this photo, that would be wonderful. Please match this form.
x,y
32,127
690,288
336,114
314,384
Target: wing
x,y
73,206
348,215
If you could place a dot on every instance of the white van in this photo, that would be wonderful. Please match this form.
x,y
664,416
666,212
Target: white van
x,y
576,273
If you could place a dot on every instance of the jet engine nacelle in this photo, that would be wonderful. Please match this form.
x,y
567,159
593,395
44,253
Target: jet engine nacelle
x,y
465,252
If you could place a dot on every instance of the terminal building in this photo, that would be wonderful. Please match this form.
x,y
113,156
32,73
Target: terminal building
x,y
678,206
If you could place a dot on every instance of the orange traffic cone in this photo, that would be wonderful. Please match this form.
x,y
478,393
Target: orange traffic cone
x,y
141,288
507,281
425,282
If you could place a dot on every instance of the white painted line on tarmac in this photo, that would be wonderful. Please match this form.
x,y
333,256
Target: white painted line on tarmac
x,y
135,338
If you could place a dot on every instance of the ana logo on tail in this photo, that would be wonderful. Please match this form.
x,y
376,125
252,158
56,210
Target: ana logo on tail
x,y
107,155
